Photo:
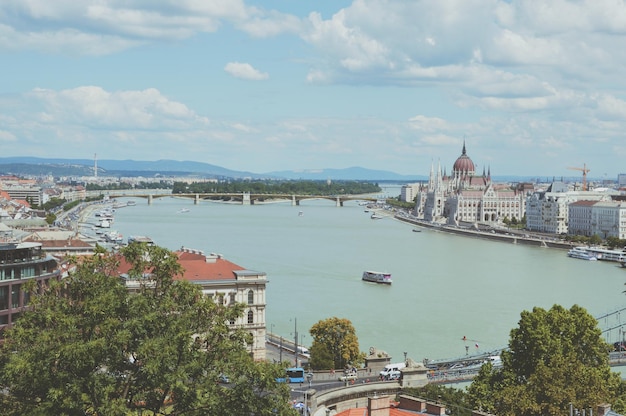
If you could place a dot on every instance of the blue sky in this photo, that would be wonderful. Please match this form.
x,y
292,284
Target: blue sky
x,y
532,86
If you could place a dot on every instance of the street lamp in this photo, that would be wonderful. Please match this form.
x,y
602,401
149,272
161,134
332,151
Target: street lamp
x,y
405,356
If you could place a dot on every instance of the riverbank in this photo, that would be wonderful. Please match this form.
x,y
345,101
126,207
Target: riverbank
x,y
493,235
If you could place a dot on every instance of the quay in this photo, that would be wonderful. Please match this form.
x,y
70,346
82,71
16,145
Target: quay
x,y
506,236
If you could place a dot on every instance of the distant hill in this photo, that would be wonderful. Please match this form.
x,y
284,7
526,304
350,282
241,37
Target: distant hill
x,y
85,167
353,173
134,168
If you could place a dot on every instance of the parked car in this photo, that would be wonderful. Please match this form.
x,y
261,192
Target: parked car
x,y
348,376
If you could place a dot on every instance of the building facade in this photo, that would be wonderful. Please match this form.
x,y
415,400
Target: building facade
x,y
21,263
547,211
464,196
608,219
226,283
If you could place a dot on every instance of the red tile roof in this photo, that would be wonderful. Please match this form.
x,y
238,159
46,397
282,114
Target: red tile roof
x,y
196,267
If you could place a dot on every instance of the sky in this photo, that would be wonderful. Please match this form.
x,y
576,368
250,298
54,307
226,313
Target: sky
x,y
532,87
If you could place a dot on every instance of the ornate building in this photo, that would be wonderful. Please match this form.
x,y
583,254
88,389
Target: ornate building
x,y
464,196
226,283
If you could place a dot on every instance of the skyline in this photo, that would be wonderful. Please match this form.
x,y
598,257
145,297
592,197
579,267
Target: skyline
x,y
532,88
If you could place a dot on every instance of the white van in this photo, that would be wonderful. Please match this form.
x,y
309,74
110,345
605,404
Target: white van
x,y
392,371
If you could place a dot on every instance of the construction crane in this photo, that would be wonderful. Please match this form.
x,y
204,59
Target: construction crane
x,y
584,170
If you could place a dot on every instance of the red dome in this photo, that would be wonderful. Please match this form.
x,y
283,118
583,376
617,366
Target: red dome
x,y
464,164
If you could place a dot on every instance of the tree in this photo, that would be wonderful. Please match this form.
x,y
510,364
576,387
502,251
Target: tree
x,y
335,344
89,347
555,358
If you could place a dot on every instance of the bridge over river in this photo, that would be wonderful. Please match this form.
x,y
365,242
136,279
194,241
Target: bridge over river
x,y
244,198
465,368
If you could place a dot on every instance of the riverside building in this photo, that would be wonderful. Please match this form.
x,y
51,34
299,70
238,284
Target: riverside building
x,y
21,263
547,211
226,283
464,196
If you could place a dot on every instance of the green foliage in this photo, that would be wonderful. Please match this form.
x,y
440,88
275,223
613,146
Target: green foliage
x,y
50,218
455,400
400,204
89,347
615,243
71,205
54,203
279,187
555,357
119,186
335,345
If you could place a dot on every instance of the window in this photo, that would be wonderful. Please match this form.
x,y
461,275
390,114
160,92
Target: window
x,y
232,298
4,298
250,297
15,296
250,317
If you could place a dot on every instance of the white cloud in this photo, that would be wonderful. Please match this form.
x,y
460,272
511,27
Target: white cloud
x,y
97,108
245,71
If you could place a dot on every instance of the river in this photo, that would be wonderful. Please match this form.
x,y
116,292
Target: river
x,y
445,287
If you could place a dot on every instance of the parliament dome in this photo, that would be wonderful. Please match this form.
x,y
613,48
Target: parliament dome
x,y
464,164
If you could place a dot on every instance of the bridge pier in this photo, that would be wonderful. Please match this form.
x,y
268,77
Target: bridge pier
x,y
196,200
245,200
339,202
293,201
150,199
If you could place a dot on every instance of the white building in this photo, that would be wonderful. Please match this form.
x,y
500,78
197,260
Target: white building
x,y
548,211
465,196
409,191
608,219
579,222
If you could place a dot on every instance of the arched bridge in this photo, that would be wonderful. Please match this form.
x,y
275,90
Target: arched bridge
x,y
245,198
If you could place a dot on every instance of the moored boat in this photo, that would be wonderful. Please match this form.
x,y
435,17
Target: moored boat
x,y
377,277
606,254
581,253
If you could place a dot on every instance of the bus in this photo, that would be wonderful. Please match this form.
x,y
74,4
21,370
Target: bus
x,y
293,375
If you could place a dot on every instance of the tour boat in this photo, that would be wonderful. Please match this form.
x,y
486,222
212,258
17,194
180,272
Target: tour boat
x,y
581,253
377,277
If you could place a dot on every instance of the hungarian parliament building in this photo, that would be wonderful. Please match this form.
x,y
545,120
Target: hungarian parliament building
x,y
464,196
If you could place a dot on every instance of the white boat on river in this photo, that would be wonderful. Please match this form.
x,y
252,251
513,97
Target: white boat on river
x,y
581,253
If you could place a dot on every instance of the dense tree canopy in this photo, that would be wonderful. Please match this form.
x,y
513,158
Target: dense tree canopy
x,y
555,358
279,187
335,344
89,347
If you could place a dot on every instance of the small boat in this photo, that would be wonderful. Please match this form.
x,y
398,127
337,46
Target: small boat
x,y
183,210
415,230
581,253
140,239
104,224
113,237
376,216
377,277
300,213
